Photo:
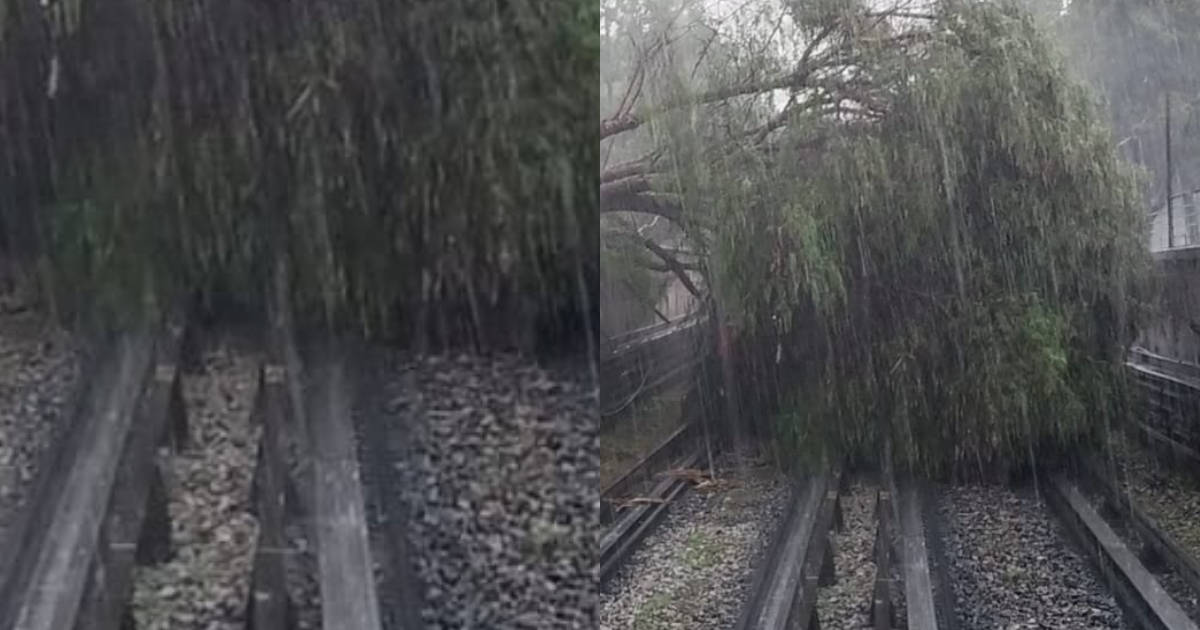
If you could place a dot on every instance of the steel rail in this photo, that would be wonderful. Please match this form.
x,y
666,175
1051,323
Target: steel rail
x,y
1138,592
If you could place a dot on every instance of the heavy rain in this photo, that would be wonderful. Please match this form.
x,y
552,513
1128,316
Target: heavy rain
x,y
619,314
298,314
899,314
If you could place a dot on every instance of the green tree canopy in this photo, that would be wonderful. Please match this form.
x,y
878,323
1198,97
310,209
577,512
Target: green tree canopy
x,y
418,164
919,223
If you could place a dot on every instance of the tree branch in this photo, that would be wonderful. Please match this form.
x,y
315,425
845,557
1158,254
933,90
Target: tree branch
x,y
665,206
626,186
626,122
795,80
674,266
618,124
665,268
670,263
642,166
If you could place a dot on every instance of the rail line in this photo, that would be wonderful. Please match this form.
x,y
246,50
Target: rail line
x,y
268,606
347,582
663,350
102,503
1144,527
798,560
912,548
674,447
634,524
796,564
1138,592
100,507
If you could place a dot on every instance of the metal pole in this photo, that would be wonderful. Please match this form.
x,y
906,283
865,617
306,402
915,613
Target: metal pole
x,y
1170,209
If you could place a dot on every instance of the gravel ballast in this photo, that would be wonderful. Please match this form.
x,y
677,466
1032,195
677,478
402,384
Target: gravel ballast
x,y
498,482
205,583
39,372
1164,494
1168,498
301,569
846,603
695,571
1012,568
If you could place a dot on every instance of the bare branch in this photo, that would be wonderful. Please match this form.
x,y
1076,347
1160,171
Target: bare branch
x,y
664,267
642,166
912,15
670,263
626,186
618,124
665,206
800,78
674,266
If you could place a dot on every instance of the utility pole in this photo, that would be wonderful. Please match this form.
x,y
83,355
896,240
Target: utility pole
x,y
1170,212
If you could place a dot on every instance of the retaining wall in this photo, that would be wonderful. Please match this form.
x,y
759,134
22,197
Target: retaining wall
x,y
1174,331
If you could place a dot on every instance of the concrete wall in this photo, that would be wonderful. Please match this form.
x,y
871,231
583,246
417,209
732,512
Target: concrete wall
x,y
1175,330
1185,222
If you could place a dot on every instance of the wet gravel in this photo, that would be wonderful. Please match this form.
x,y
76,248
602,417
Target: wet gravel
x,y
205,583
1166,495
846,603
39,371
499,485
1012,567
1169,498
695,571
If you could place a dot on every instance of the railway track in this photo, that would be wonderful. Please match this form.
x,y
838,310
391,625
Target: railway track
x,y
632,505
785,588
632,525
799,563
912,585
637,365
1140,565
73,553
382,443
641,475
1052,588
100,507
1173,561
1138,591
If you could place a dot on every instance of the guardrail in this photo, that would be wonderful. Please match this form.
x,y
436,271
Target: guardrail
x,y
345,571
267,607
1138,592
103,506
785,586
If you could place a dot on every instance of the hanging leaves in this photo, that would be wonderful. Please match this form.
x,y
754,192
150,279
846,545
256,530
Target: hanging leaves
x,y
960,275
408,159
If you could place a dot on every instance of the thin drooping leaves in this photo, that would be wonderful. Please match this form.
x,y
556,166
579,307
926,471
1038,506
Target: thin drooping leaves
x,y
958,275
418,165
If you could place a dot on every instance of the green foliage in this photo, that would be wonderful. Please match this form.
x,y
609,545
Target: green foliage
x,y
960,276
422,166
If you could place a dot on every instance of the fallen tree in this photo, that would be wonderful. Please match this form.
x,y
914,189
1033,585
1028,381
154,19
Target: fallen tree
x,y
947,256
